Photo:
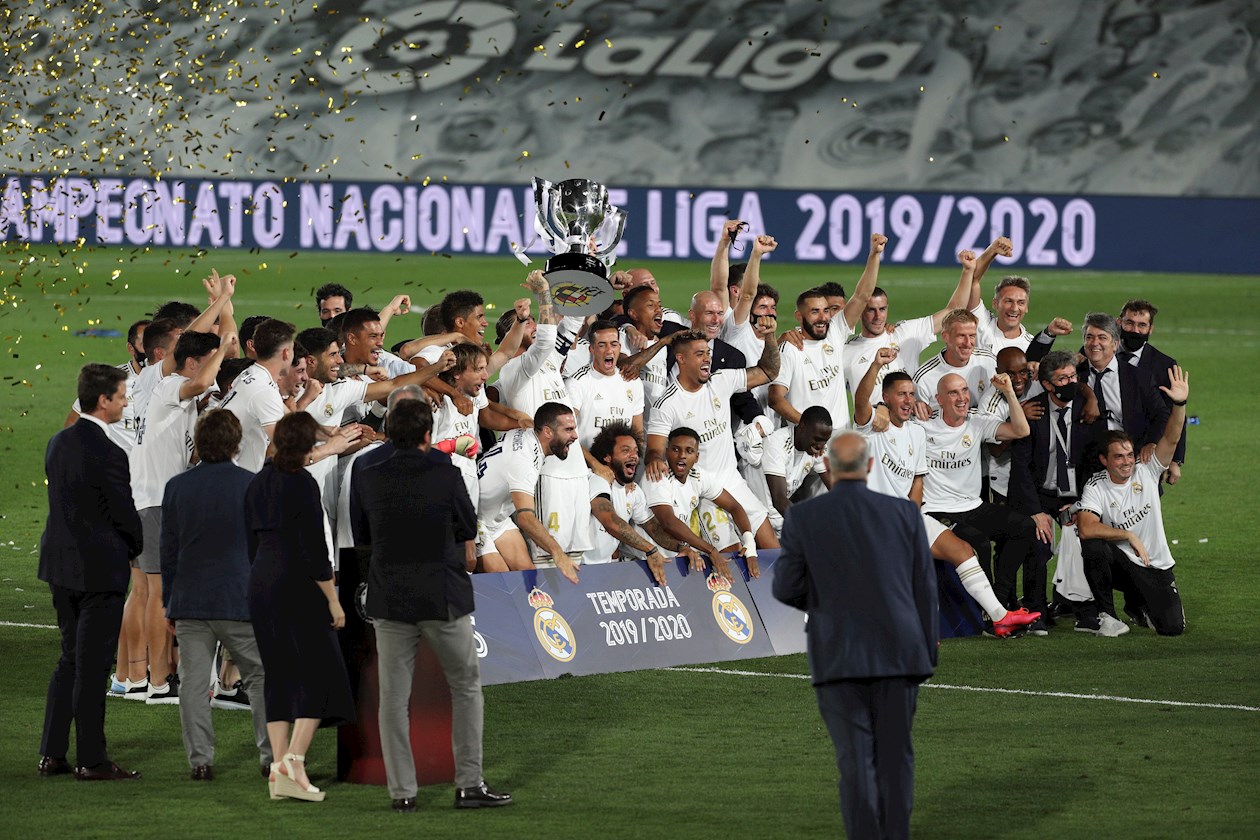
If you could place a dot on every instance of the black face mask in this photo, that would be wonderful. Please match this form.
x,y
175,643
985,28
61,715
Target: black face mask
x,y
1133,341
1065,392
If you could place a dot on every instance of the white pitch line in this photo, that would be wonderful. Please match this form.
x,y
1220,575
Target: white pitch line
x,y
1026,692
22,624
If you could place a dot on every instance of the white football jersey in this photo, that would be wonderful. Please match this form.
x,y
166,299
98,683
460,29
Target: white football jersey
x,y
339,402
630,503
997,465
165,446
533,378
990,337
978,371
601,400
900,454
684,496
256,402
654,376
708,412
952,483
141,391
511,466
779,456
814,375
909,338
1132,506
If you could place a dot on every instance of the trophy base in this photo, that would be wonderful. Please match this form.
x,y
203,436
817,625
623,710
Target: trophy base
x,y
579,284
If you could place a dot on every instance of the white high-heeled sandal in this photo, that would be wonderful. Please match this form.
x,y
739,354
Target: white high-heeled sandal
x,y
288,787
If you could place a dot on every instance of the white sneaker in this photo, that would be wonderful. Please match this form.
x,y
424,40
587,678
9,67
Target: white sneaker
x,y
1109,626
136,690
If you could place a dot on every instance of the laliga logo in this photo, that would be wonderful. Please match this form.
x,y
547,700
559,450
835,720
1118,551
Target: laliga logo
x,y
730,612
552,630
571,294
424,47
430,45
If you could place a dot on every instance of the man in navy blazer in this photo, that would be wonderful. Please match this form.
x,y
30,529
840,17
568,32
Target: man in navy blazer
x,y
859,563
1137,323
1126,395
415,514
92,533
204,558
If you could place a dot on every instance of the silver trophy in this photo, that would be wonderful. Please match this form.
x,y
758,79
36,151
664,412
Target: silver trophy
x,y
583,231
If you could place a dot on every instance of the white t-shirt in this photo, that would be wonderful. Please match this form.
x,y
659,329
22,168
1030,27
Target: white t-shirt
x,y
978,371
779,456
511,466
900,454
396,365
744,339
601,400
165,446
339,402
684,496
952,483
708,411
910,338
124,431
256,402
533,378
1132,506
630,503
990,337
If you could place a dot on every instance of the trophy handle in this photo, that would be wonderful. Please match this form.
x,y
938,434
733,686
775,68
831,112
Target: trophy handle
x,y
610,249
546,223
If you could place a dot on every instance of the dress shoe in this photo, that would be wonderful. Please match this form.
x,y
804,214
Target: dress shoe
x,y
265,770
108,772
406,805
203,773
481,796
49,766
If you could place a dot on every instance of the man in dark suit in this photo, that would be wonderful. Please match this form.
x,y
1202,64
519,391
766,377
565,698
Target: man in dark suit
x,y
419,588
1127,397
1048,467
1137,323
859,562
93,532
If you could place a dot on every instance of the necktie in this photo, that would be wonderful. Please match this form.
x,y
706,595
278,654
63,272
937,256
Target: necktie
x,y
1103,414
1061,460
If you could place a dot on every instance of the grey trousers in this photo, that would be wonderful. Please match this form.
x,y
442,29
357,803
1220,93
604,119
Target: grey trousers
x,y
197,640
452,641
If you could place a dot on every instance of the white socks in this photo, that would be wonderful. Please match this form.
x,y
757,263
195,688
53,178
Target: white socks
x,y
977,586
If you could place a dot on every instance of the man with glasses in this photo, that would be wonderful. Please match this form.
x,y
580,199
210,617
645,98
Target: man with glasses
x,y
1137,323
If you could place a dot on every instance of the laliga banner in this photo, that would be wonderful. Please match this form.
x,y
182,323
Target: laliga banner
x,y
615,619
1047,231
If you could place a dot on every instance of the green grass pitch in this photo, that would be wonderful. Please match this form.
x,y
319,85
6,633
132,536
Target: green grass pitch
x,y
665,754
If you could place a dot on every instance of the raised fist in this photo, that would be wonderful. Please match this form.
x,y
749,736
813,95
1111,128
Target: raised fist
x,y
878,241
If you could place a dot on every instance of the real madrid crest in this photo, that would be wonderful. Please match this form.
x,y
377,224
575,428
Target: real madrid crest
x,y
717,403
328,409
554,633
966,440
629,394
827,348
1137,486
730,613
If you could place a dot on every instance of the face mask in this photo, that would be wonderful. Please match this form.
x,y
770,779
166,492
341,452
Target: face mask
x,y
1133,341
1065,392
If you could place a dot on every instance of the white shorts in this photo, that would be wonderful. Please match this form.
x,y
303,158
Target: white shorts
x,y
934,528
716,525
564,503
487,533
468,469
